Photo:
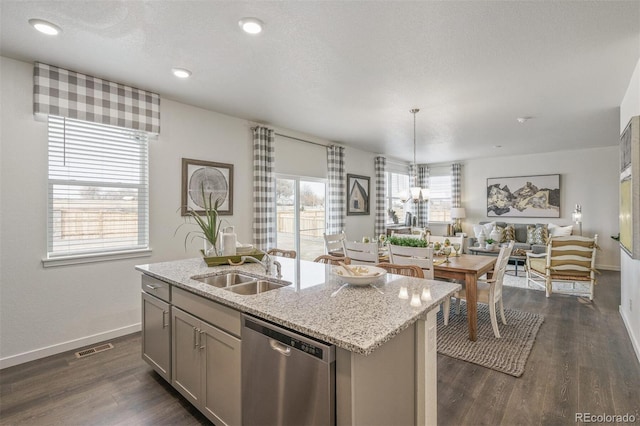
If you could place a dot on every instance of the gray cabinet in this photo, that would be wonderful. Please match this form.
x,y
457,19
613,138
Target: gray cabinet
x,y
206,367
156,335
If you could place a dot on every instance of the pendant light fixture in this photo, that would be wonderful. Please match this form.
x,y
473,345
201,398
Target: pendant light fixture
x,y
417,193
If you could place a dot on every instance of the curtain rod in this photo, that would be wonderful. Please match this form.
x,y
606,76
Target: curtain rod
x,y
297,139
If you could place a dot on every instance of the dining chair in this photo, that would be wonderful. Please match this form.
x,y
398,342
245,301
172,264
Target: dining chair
x,y
567,259
423,258
334,243
282,253
490,290
406,270
361,252
332,260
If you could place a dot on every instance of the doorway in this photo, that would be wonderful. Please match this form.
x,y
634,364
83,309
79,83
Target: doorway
x,y
300,215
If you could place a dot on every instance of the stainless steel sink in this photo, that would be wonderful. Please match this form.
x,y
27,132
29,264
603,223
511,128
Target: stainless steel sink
x,y
255,287
226,280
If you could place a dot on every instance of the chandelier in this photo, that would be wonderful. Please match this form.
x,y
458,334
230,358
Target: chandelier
x,y
416,192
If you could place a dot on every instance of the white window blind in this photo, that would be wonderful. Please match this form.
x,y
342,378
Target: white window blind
x,y
439,198
98,189
397,189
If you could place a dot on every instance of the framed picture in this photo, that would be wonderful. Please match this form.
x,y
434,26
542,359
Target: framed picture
x,y
524,196
212,178
357,195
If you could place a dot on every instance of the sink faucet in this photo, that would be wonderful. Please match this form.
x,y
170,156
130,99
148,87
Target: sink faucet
x,y
266,263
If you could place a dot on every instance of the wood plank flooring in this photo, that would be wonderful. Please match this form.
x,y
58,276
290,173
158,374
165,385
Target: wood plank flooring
x,y
582,361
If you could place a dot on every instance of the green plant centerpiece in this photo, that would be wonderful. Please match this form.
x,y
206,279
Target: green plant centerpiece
x,y
406,241
209,224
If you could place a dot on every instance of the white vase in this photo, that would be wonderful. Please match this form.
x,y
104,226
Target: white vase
x,y
209,249
495,235
490,246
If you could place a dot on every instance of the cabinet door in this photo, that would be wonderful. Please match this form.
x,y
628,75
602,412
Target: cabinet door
x,y
186,372
156,335
222,376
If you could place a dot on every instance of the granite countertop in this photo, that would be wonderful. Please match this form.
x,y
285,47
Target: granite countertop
x,y
358,319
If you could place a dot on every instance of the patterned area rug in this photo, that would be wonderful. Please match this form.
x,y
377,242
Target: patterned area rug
x,y
508,354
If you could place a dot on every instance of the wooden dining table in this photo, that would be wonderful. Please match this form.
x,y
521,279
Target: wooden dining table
x,y
467,268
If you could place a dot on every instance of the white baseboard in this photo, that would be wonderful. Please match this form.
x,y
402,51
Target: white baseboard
x,y
627,324
12,360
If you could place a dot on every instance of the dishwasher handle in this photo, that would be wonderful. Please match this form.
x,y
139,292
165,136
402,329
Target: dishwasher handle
x,y
279,347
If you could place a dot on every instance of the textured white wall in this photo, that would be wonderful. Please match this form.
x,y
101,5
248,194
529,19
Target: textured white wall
x,y
630,268
588,177
45,311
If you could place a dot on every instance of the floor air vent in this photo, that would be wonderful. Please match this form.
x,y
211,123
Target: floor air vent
x,y
94,350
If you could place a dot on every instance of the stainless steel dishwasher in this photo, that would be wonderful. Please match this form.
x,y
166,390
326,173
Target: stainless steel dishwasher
x,y
287,378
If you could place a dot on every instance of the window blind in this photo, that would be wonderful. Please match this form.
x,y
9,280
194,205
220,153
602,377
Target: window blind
x,y
439,198
98,189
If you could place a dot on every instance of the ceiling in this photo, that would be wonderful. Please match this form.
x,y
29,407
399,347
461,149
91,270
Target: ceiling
x,y
350,71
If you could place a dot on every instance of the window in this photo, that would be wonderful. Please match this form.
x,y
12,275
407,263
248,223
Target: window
x,y
397,188
98,189
440,198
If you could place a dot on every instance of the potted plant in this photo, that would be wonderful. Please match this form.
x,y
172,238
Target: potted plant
x,y
490,244
406,241
209,225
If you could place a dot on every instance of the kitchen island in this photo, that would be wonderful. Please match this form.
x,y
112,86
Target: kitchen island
x,y
385,358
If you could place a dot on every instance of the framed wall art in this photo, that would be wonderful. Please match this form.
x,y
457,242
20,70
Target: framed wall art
x,y
214,178
524,196
357,195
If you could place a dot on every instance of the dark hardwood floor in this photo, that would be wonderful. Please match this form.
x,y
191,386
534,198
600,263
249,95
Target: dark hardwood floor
x,y
582,361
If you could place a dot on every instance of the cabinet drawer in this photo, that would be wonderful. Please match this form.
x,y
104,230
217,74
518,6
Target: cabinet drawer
x,y
212,312
158,288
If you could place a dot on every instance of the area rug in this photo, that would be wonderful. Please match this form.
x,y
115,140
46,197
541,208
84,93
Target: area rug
x,y
508,354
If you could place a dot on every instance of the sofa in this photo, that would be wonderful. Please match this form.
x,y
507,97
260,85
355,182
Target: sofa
x,y
520,231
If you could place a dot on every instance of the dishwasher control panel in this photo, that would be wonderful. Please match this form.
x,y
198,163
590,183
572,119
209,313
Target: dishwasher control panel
x,y
305,345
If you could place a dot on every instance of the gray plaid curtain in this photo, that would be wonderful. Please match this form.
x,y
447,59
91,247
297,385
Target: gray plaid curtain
x,y
69,94
423,206
263,188
337,202
456,177
380,164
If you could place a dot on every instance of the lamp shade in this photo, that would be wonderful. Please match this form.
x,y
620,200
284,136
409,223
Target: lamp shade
x,y
458,213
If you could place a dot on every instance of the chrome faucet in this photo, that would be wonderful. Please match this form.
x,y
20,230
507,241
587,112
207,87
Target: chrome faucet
x,y
266,263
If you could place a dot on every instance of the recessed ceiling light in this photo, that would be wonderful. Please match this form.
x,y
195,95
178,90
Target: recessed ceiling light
x,y
497,146
251,25
181,72
45,27
522,120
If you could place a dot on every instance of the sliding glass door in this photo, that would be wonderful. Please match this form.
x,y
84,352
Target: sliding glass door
x,y
300,215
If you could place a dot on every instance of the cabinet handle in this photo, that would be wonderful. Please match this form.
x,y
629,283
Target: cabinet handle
x,y
201,344
152,287
164,319
195,333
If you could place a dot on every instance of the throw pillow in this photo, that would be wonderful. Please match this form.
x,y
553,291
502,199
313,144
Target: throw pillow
x,y
560,231
537,234
498,234
509,233
488,227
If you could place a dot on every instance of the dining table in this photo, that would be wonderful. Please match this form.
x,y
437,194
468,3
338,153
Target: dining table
x,y
467,268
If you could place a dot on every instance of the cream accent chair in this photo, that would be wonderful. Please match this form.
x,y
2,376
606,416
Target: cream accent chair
x,y
568,259
490,290
361,253
332,260
334,243
423,258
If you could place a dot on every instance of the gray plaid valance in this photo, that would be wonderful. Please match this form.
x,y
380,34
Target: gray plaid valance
x,y
65,93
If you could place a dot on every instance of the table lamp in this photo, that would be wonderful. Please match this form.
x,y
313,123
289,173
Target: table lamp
x,y
457,213
576,216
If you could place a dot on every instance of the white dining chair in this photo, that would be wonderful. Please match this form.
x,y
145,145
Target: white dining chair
x,y
362,252
490,290
334,243
422,257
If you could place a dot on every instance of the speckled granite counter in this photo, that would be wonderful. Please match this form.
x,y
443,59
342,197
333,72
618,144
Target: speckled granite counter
x,y
358,319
